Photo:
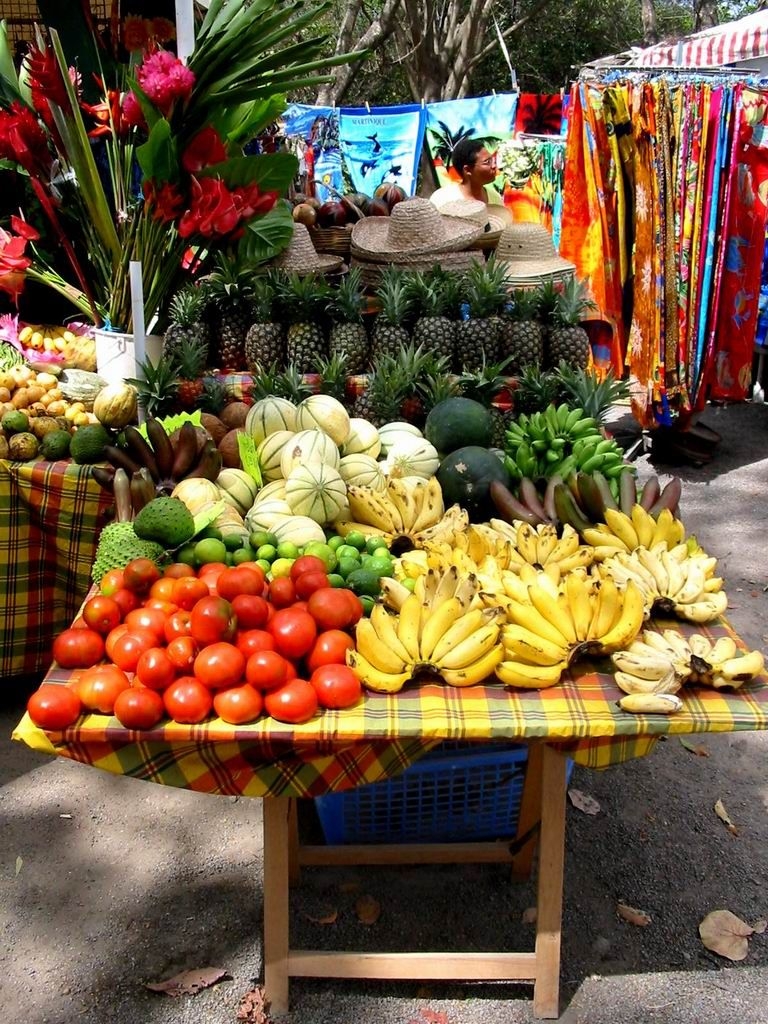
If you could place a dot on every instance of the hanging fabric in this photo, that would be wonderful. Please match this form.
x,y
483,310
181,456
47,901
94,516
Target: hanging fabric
x,y
382,145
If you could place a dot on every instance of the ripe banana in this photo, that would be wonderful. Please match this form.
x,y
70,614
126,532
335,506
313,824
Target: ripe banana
x,y
386,630
629,621
436,624
445,587
461,629
722,650
379,655
528,616
526,542
621,526
477,671
521,644
530,677
709,608
651,703
741,668
547,544
607,605
632,684
393,592
432,507
471,650
547,606
644,525
408,626
402,497
373,678
578,593
652,666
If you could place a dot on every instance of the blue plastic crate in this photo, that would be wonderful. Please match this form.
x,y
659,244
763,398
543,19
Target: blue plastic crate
x,y
455,793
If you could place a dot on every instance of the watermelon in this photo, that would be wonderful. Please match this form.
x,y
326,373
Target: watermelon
x,y
458,423
465,477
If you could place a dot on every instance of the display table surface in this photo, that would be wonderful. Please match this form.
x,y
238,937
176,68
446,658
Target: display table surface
x,y
50,517
342,749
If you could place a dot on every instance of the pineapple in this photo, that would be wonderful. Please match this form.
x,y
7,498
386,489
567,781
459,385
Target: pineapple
x,y
521,335
390,334
583,389
389,384
486,385
485,293
431,295
215,395
567,341
287,383
265,340
189,363
304,298
418,367
348,334
229,294
186,312
156,387
536,389
333,375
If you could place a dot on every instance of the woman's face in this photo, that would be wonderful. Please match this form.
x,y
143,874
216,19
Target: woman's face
x,y
484,169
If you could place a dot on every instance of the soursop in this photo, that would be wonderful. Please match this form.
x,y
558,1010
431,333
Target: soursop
x,y
118,545
167,521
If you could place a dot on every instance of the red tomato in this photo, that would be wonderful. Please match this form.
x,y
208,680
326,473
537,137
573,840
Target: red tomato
x,y
219,665
336,686
177,624
182,652
252,611
187,701
213,620
178,570
138,708
253,640
294,632
309,582
295,702
126,601
155,669
239,580
78,648
54,707
162,589
166,607
101,613
129,647
140,574
267,669
330,648
188,590
211,569
238,705
307,563
99,686
282,592
357,607
150,619
111,581
331,608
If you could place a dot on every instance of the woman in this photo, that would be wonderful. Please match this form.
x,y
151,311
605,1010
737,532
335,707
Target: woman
x,y
477,169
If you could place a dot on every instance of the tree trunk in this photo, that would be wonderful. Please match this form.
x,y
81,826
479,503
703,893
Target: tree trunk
x,y
650,26
705,14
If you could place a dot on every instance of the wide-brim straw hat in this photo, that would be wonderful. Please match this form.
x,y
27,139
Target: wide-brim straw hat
x,y
528,253
371,270
479,213
414,229
301,257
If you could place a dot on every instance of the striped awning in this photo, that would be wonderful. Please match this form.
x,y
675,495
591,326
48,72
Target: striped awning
x,y
732,43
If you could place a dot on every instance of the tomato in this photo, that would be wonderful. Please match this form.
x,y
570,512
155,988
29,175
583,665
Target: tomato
x,y
162,589
330,648
238,705
53,706
155,669
307,563
294,632
219,665
126,601
212,620
129,647
211,569
112,636
111,581
150,619
138,708
178,570
188,590
166,607
295,702
239,580
78,648
101,613
336,686
139,575
282,592
99,685
331,608
252,611
309,582
187,701
267,669
357,607
177,624
182,652
252,640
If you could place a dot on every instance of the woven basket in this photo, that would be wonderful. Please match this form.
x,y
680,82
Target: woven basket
x,y
335,241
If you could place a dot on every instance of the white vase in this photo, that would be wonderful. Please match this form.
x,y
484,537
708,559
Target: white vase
x,y
115,354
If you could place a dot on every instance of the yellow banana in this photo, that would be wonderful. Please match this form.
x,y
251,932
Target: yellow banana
x,y
577,591
436,624
742,667
472,649
373,678
644,525
674,572
675,640
651,561
521,644
713,584
550,608
466,589
651,703
700,646
603,541
432,507
707,609
693,587
462,628
369,506
381,657
629,683
393,593
386,630
507,530
526,542
401,496
476,672
445,587
581,558
531,618
606,609
546,543
408,626
662,531
652,665
431,579
629,621
566,546
723,649
621,526
346,526
530,677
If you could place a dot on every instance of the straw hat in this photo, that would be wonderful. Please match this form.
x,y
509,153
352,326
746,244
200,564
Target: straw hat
x,y
492,222
453,261
414,229
528,252
301,257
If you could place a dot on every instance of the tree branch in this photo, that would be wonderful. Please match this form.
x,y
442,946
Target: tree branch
x,y
510,30
372,39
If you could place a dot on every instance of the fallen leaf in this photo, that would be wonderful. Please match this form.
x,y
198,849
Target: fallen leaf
x,y
189,983
722,814
253,1007
639,918
759,926
19,862
328,918
694,748
529,915
433,1017
725,934
584,802
368,910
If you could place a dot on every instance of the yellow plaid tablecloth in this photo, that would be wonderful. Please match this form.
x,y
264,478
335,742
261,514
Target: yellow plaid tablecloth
x,y
50,517
338,750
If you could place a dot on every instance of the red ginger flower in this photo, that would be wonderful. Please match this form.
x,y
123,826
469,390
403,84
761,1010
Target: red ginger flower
x,y
205,149
165,202
24,141
212,212
13,262
165,79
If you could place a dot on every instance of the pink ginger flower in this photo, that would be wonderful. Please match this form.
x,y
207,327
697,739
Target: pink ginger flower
x,y
165,80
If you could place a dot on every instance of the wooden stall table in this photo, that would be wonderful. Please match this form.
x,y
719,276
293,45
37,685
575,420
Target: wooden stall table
x,y
339,750
50,517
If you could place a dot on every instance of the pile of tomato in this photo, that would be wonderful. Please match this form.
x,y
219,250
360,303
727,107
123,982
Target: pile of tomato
x,y
189,645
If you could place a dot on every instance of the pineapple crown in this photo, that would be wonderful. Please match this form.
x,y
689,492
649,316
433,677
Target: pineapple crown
x,y
215,395
536,389
572,302
486,291
547,294
189,360
428,292
157,386
264,298
303,297
187,305
485,383
395,302
436,387
333,374
586,390
347,302
287,383
229,283
525,304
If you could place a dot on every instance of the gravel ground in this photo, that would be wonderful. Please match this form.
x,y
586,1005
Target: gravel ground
x,y
107,883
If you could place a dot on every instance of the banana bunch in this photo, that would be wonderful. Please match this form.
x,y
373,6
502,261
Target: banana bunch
x,y
435,630
625,532
720,664
44,338
673,581
540,545
557,624
654,663
409,507
560,441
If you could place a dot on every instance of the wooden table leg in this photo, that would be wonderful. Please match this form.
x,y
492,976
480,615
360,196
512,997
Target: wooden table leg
x,y
546,991
294,870
530,813
276,816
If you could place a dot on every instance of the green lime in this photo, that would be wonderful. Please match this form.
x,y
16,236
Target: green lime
x,y
322,551
335,541
266,552
381,552
210,549
372,543
381,566
347,551
367,603
264,565
363,581
335,580
257,538
409,583
287,550
281,567
210,532
187,555
356,540
232,541
246,554
346,566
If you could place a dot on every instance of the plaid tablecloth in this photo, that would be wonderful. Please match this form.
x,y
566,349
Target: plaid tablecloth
x,y
338,750
50,516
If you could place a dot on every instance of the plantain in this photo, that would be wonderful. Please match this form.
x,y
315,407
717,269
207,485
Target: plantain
x,y
162,447
104,476
140,451
120,459
142,490
209,464
186,452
